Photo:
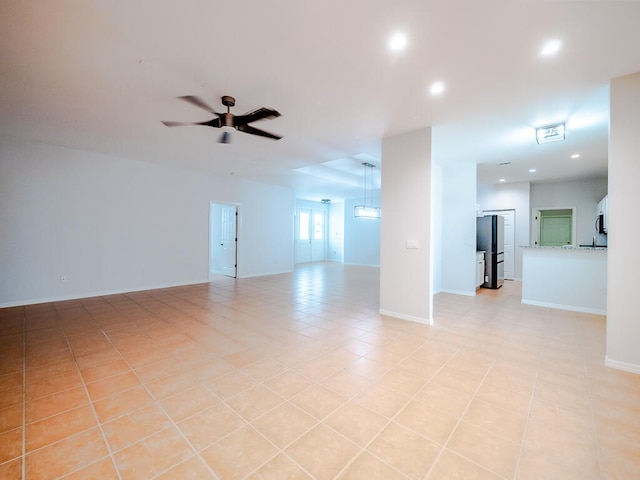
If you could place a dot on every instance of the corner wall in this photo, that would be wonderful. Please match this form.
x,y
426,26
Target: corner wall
x,y
77,224
623,302
405,273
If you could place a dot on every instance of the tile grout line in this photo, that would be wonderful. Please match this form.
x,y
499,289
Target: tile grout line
x,y
24,393
455,427
528,419
391,419
601,463
157,402
86,391
322,421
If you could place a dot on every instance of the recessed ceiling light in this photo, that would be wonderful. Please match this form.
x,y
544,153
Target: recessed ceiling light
x,y
532,170
436,88
398,42
502,180
575,155
550,48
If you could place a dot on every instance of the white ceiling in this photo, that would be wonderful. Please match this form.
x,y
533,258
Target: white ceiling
x,y
100,76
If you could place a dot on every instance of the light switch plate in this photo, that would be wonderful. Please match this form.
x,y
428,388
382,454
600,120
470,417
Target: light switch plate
x,y
412,243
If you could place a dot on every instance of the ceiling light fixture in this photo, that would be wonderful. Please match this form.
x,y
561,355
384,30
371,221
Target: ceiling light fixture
x,y
532,170
550,133
436,88
575,155
398,42
550,48
367,210
326,201
502,180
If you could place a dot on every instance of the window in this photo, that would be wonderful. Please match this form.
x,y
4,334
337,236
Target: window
x,y
304,226
553,227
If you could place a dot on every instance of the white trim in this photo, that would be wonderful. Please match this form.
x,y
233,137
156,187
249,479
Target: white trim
x,y
250,275
571,308
459,292
624,366
79,296
402,316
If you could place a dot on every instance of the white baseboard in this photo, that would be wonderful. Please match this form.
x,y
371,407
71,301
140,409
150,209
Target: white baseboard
x,y
104,293
402,316
571,308
251,275
459,292
624,366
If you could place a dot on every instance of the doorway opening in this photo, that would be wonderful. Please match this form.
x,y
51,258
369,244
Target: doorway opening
x,y
223,240
509,240
310,235
554,227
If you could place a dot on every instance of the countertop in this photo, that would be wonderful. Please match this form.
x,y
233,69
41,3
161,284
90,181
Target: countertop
x,y
567,247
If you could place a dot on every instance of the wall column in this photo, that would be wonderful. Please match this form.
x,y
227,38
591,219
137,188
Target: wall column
x,y
623,302
405,243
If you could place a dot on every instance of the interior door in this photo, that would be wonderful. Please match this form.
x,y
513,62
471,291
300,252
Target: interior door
x,y
509,240
228,240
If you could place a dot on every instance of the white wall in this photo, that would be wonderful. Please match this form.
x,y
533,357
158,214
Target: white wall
x,y
109,224
405,274
436,227
335,246
512,196
583,194
459,229
361,235
216,250
623,302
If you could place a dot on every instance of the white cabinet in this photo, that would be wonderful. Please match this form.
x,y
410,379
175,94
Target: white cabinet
x,y
603,213
479,269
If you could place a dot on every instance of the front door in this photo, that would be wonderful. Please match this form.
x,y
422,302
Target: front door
x,y
310,236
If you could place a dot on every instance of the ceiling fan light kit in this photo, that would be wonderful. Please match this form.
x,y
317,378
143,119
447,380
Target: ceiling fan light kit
x,y
228,120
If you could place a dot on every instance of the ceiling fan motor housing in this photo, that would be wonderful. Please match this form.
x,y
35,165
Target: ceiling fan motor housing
x,y
226,119
228,101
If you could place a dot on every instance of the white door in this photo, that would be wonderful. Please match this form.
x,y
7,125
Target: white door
x,y
228,240
318,240
303,236
310,236
509,240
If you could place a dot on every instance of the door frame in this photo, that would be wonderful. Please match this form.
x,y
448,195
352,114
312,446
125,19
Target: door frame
x,y
325,229
214,231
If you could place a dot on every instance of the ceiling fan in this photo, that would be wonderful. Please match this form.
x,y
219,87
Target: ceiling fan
x,y
228,119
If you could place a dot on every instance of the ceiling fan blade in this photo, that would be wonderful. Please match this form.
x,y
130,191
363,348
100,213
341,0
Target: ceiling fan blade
x,y
215,122
225,137
254,115
198,102
256,131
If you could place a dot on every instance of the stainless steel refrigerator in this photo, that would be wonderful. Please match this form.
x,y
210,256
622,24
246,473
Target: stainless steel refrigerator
x,y
490,238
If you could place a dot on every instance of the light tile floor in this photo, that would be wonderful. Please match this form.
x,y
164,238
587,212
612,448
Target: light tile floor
x,y
298,376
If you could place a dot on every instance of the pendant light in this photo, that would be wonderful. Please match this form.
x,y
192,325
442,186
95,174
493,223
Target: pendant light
x,y
367,210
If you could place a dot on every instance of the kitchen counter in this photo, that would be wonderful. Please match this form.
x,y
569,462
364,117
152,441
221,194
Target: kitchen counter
x,y
568,247
568,278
